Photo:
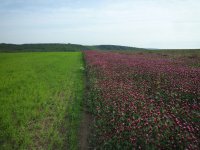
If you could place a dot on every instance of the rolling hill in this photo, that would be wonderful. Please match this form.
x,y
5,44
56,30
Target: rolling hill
x,y
57,47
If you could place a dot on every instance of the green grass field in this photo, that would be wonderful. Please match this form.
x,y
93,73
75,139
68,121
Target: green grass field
x,y
40,100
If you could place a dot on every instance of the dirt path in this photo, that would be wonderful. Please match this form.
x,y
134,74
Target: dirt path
x,y
85,131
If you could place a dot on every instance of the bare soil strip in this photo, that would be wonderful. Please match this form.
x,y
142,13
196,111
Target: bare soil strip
x,y
84,130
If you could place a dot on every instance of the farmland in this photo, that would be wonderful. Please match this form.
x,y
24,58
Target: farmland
x,y
40,100
144,100
134,99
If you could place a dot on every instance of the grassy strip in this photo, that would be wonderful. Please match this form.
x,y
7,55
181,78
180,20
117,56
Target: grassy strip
x,y
40,100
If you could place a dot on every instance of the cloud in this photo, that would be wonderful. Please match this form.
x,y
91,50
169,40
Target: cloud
x,y
143,23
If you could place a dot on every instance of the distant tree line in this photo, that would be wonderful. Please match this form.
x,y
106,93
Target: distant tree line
x,y
56,47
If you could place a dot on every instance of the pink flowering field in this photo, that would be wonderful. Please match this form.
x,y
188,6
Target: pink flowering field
x,y
143,101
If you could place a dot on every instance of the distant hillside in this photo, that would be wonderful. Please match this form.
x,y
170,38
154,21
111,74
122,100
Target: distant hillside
x,y
114,47
40,47
56,47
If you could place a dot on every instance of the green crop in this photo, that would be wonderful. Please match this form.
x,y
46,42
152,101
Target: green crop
x,y
40,100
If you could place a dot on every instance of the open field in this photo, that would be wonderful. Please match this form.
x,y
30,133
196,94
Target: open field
x,y
144,100
40,100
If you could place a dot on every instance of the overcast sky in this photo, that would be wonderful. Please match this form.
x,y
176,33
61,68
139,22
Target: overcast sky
x,y
140,23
